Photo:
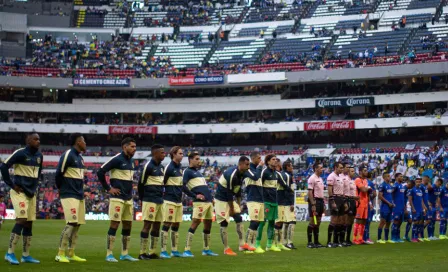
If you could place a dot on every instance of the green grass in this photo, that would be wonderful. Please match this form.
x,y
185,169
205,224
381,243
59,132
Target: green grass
x,y
399,257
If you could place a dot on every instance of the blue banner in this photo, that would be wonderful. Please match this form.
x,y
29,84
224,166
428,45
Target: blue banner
x,y
208,80
101,82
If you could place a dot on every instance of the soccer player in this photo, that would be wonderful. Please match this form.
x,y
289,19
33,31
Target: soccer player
x,y
27,163
70,182
315,205
407,213
434,200
269,180
150,191
362,210
228,202
196,187
2,210
443,211
336,204
399,198
255,205
352,199
428,216
415,197
343,220
371,210
285,201
387,204
289,225
172,202
121,204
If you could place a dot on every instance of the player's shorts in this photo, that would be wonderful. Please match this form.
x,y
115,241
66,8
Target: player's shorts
x,y
320,208
172,212
386,215
285,214
222,210
152,212
74,210
398,215
340,210
417,216
121,210
270,211
351,207
24,206
256,211
362,212
203,210
428,215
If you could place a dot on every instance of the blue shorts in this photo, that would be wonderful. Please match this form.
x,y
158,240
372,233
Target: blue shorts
x,y
418,216
386,215
398,215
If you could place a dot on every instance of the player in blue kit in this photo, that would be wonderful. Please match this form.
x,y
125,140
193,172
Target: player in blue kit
x,y
399,197
427,218
443,211
415,197
371,211
434,201
407,214
385,195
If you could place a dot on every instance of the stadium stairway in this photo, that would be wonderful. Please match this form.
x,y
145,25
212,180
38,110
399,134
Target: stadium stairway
x,y
266,50
405,46
329,45
212,51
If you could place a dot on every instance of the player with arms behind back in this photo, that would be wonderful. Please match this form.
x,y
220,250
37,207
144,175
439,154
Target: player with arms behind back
x,y
316,206
399,197
385,195
121,206
70,182
27,163
415,196
434,200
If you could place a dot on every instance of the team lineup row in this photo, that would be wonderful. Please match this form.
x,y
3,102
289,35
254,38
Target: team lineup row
x,y
269,196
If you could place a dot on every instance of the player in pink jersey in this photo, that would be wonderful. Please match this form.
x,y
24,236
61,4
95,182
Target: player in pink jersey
x,y
352,198
336,204
315,205
2,210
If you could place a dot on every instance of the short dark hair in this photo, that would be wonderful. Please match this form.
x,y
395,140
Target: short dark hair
x,y
127,141
192,155
397,175
441,180
174,150
347,165
74,137
268,158
315,165
426,176
286,164
155,147
385,173
336,164
418,178
254,154
362,167
411,182
243,159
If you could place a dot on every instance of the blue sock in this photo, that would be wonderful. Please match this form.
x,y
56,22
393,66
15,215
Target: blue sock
x,y
380,231
431,227
421,230
395,231
414,231
398,231
366,232
408,228
386,234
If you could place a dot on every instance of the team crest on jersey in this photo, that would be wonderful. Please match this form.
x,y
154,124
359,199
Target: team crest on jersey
x,y
201,209
256,216
22,212
116,215
74,217
22,204
117,209
170,217
151,216
38,160
73,210
151,209
199,214
171,211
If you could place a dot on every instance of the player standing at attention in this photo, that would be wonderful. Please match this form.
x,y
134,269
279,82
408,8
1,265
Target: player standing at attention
x,y
290,217
443,211
121,204
2,210
284,193
70,182
269,180
362,210
387,204
172,202
344,218
434,201
196,187
150,191
352,199
399,198
336,203
255,205
315,205
428,216
407,213
371,209
228,202
27,164
415,197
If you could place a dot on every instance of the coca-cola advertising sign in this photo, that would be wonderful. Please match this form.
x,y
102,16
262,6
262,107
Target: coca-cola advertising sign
x,y
336,125
132,130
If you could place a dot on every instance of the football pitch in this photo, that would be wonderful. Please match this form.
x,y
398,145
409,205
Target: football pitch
x,y
427,256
